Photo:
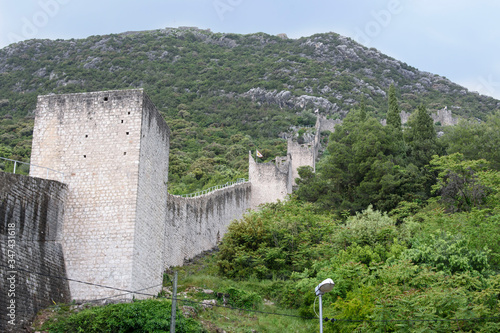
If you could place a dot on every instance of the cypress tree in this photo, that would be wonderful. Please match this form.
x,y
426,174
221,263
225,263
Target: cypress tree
x,y
362,110
394,128
422,138
393,117
424,127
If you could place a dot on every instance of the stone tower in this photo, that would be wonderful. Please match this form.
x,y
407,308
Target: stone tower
x,y
303,155
113,149
270,181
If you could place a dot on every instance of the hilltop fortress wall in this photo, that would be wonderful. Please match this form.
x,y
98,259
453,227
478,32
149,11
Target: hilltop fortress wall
x,y
270,181
102,214
113,149
303,155
197,224
306,154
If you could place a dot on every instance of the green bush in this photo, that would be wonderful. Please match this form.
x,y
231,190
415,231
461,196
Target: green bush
x,y
280,239
369,227
243,299
140,316
448,253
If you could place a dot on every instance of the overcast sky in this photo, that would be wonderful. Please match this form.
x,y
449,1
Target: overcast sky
x,y
455,38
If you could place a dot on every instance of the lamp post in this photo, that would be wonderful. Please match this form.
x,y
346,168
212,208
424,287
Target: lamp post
x,y
320,289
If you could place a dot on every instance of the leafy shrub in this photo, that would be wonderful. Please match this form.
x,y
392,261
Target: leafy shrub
x,y
243,299
369,227
140,316
280,239
448,253
403,210
458,182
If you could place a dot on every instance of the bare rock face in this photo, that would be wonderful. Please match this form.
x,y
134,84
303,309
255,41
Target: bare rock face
x,y
285,98
405,116
443,116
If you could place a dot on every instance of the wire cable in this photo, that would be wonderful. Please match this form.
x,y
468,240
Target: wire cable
x,y
242,309
79,281
314,307
250,310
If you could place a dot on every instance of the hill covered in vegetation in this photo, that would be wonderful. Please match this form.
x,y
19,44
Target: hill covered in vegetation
x,y
406,223
221,94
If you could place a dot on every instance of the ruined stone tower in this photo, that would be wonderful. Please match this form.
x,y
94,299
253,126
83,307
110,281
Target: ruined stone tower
x,y
113,149
270,181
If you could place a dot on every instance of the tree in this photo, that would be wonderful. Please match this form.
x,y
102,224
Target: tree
x,y
394,126
360,169
421,138
458,182
475,140
393,117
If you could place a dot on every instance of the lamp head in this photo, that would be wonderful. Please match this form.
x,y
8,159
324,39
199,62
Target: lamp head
x,y
324,287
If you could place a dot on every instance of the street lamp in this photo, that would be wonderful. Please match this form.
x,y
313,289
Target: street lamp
x,y
320,289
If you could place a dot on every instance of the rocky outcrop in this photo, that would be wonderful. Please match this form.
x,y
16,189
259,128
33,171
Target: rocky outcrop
x,y
286,99
443,117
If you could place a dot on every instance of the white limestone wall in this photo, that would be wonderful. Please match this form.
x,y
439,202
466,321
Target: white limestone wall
x,y
95,139
269,183
302,155
148,268
324,124
445,117
197,224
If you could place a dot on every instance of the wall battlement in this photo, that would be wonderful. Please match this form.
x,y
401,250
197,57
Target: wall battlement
x,y
325,124
303,155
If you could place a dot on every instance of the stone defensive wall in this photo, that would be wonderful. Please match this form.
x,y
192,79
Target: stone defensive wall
x,y
113,148
306,154
270,181
324,124
303,155
197,224
31,254
112,223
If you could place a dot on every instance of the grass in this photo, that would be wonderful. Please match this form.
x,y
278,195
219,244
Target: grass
x,y
241,306
202,275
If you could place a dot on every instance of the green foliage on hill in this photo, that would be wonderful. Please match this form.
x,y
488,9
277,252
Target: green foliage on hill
x,y
274,243
476,140
368,163
424,255
205,85
382,270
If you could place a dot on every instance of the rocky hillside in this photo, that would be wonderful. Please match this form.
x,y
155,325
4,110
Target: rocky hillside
x,y
222,94
325,71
